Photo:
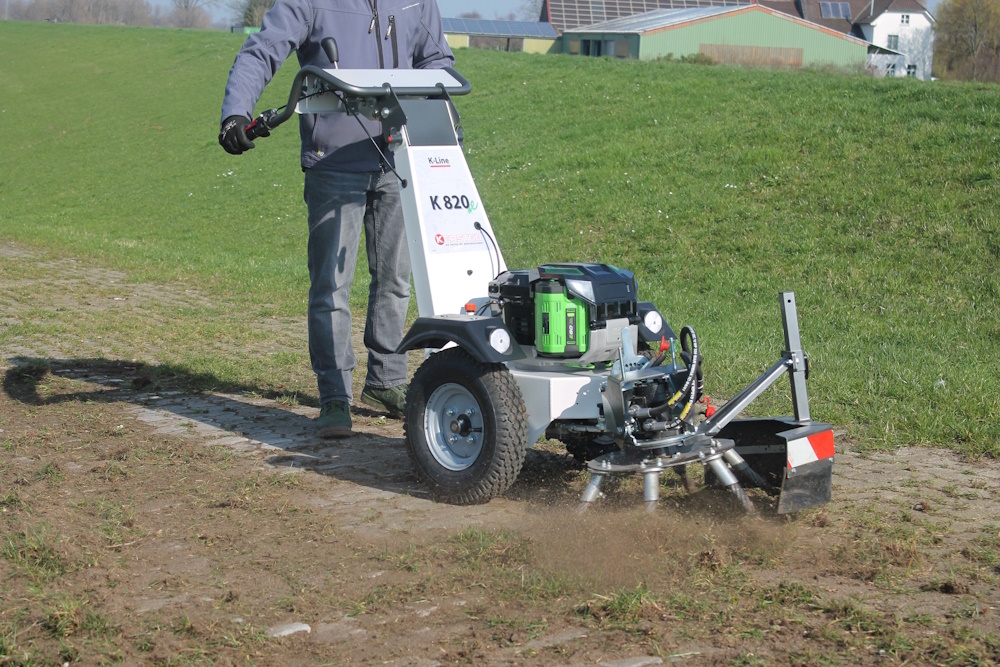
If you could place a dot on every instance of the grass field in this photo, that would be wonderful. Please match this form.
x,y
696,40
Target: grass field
x,y
875,201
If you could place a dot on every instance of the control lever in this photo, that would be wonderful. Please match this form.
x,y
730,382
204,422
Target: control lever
x,y
329,45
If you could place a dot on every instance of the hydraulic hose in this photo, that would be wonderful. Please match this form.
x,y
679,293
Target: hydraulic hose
x,y
693,361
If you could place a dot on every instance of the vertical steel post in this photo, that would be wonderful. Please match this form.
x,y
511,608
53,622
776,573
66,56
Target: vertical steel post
x,y
793,348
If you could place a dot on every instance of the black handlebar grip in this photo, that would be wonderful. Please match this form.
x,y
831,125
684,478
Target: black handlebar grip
x,y
253,130
261,125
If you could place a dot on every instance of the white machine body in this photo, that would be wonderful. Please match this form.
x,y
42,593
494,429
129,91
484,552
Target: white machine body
x,y
453,251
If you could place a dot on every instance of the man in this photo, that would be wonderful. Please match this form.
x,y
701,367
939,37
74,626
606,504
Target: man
x,y
347,184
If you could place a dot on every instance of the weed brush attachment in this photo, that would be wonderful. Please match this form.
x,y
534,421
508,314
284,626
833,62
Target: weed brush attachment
x,y
714,454
790,457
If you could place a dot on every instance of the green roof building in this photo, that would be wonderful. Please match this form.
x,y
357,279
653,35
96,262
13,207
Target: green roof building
x,y
752,35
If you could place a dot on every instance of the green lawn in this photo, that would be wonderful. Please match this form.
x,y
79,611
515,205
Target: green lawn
x,y
875,201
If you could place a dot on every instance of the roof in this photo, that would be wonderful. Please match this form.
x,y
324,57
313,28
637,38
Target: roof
x,y
658,19
666,19
867,15
817,11
573,14
499,28
570,14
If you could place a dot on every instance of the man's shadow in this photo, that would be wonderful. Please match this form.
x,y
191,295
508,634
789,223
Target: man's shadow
x,y
175,401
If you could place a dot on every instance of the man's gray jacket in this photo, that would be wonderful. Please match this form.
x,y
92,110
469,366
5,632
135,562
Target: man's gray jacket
x,y
370,34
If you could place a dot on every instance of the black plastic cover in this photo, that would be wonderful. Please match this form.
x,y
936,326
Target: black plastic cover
x,y
470,332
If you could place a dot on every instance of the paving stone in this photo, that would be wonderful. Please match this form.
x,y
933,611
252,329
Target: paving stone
x,y
288,629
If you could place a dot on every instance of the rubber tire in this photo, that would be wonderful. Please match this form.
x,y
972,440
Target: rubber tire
x,y
505,427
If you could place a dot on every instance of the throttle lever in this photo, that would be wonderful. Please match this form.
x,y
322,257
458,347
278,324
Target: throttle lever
x,y
260,126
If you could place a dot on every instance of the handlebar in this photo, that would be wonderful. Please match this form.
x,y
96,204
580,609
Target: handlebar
x,y
336,82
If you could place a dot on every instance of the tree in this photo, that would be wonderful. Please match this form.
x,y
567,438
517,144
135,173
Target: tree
x,y
470,15
254,10
530,10
102,12
967,39
192,13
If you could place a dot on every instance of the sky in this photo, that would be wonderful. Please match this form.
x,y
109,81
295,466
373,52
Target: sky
x,y
488,10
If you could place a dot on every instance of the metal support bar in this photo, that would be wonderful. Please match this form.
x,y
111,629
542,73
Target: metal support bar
x,y
738,403
792,360
793,347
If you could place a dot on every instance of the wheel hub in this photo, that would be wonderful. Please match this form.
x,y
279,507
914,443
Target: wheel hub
x,y
453,426
462,426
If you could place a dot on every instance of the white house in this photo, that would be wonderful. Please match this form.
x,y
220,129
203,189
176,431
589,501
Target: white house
x,y
904,26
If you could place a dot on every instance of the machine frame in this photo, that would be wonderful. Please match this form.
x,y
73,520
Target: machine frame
x,y
481,398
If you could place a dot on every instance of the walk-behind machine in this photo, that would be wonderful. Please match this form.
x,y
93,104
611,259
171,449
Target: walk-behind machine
x,y
565,350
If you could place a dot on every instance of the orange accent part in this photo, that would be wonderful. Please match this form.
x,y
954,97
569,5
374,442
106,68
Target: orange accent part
x,y
470,307
709,410
664,344
822,444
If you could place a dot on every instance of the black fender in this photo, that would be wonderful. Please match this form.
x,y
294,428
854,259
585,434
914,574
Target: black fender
x,y
470,332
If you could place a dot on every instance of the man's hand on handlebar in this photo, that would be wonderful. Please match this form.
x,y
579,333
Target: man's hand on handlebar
x,y
233,134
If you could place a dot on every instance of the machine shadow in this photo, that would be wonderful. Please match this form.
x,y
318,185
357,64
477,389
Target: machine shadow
x,y
175,401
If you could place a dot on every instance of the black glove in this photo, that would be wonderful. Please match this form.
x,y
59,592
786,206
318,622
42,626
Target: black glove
x,y
233,137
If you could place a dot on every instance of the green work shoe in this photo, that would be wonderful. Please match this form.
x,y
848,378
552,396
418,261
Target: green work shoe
x,y
392,400
334,420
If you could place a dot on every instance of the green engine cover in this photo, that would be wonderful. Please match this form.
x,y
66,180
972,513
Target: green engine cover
x,y
561,328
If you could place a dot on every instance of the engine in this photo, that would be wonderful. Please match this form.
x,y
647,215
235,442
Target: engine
x,y
574,314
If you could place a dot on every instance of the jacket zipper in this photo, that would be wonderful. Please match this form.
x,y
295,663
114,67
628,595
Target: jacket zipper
x,y
377,29
391,32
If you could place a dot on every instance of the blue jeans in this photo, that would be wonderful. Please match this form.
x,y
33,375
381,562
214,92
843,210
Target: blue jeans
x,y
339,204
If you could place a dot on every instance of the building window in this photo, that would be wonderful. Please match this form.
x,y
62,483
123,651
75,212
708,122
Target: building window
x,y
893,42
574,47
890,69
621,48
911,70
904,19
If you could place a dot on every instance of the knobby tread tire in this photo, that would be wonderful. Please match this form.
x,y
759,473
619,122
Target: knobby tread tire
x,y
505,427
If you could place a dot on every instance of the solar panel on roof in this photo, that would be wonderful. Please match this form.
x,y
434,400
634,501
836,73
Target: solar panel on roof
x,y
835,10
657,19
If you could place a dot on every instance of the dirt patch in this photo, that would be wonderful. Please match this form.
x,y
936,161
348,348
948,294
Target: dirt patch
x,y
147,524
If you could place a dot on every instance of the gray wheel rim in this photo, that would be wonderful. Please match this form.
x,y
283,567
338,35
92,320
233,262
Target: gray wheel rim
x,y
454,426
